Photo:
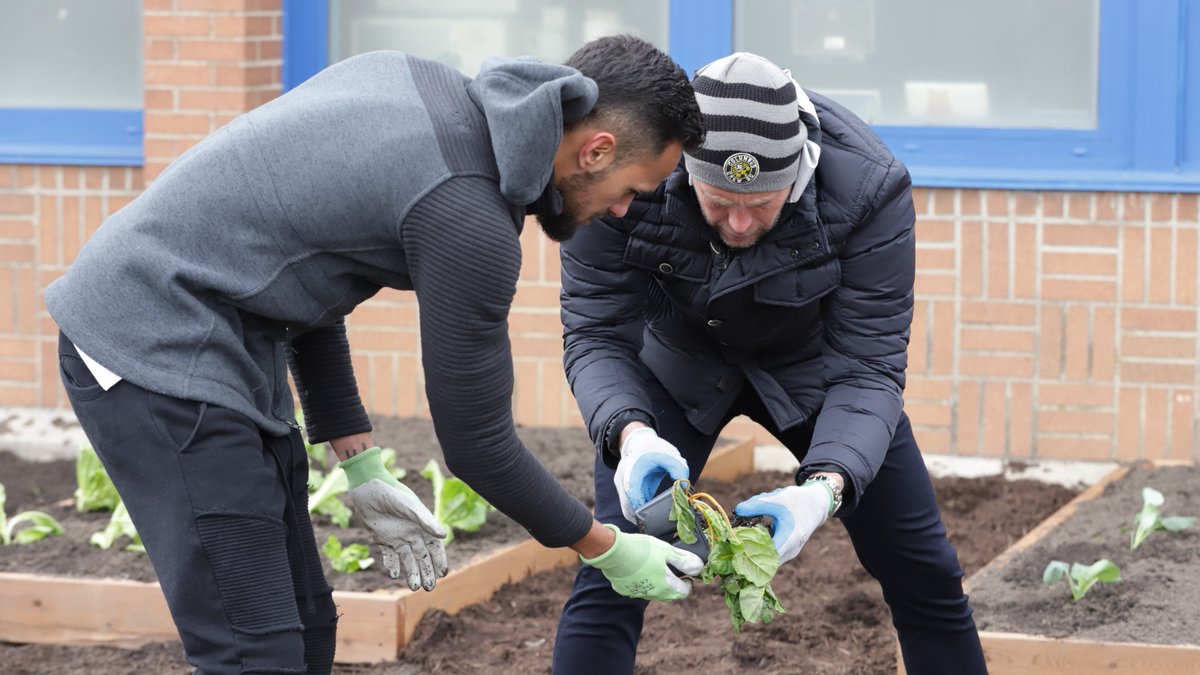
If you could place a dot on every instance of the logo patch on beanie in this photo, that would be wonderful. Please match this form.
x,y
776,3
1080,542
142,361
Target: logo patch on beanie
x,y
741,168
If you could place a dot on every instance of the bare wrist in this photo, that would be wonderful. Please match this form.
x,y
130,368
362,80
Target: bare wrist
x,y
598,540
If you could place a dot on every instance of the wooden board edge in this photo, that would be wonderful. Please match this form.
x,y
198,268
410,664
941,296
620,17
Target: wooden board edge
x,y
731,461
478,581
1032,654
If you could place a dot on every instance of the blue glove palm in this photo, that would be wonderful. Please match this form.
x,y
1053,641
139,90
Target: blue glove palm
x,y
646,460
795,511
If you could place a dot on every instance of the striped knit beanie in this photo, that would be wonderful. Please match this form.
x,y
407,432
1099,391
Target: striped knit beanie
x,y
757,123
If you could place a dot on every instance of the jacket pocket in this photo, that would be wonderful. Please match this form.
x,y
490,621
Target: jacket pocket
x,y
799,286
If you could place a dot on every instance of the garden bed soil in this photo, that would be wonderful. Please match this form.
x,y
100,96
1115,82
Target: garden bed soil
x,y
1154,603
836,620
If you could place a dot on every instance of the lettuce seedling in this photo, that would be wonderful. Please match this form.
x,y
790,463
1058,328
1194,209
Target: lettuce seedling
x,y
120,525
95,491
1149,519
1081,578
455,504
350,559
325,491
744,557
41,525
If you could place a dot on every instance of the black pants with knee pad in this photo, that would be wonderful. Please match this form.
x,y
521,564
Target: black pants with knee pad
x,y
222,510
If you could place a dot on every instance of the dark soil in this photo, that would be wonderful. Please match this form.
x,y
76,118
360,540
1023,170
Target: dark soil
x,y
836,621
1156,600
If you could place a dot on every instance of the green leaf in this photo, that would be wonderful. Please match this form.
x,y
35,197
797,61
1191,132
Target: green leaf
x,y
42,525
751,601
682,513
1083,577
757,560
120,525
1177,523
349,559
455,504
94,491
1054,571
326,499
388,456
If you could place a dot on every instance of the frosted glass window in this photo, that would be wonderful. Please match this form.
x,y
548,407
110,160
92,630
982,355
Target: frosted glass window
x,y
71,54
978,63
462,32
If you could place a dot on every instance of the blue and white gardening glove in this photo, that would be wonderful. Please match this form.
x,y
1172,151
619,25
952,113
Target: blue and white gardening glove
x,y
406,532
639,566
796,512
646,460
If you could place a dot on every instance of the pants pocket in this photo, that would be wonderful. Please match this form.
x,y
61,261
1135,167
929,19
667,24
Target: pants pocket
x,y
249,560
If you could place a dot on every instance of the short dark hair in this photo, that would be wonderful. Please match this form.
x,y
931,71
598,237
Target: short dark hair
x,y
645,97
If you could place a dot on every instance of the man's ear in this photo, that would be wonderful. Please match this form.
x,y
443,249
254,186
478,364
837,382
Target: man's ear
x,y
597,151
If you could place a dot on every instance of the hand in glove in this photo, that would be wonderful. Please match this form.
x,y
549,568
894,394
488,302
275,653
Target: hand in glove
x,y
796,512
406,532
646,460
638,566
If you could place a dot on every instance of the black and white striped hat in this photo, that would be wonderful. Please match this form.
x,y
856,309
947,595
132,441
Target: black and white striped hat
x,y
755,138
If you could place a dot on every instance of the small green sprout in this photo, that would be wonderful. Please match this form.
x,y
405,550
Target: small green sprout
x,y
455,504
42,525
120,525
1081,577
1149,519
94,491
350,559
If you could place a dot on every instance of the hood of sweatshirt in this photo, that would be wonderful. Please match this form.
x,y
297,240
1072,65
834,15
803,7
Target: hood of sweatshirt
x,y
526,103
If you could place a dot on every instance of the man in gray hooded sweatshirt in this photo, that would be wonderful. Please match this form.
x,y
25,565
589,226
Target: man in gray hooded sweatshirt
x,y
181,316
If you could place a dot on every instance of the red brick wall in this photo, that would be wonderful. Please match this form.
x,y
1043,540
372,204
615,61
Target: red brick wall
x,y
1048,324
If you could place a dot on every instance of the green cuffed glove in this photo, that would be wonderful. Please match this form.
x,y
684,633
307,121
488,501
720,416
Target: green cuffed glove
x,y
638,566
408,535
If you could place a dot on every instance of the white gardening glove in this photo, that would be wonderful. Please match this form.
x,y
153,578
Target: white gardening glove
x,y
646,460
796,512
408,535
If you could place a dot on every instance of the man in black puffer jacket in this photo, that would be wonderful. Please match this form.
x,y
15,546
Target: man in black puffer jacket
x,y
771,276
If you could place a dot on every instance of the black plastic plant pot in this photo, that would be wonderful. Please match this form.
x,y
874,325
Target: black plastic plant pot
x,y
654,519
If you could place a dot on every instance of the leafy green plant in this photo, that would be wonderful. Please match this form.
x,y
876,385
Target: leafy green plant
x,y
350,559
120,525
94,491
41,525
1150,519
456,505
1081,578
325,490
744,557
325,497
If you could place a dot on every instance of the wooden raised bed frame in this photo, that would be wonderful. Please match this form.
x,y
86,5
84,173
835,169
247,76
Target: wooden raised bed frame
x,y
373,626
1018,653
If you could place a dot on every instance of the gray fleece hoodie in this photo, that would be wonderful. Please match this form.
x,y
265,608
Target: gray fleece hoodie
x,y
384,170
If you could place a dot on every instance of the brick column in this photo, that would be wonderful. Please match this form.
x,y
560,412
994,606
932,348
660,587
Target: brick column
x,y
206,62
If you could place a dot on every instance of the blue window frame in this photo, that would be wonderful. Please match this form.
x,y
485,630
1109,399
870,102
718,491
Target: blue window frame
x,y
1148,109
71,136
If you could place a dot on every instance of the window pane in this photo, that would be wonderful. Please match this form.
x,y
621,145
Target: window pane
x,y
462,32
979,63
71,54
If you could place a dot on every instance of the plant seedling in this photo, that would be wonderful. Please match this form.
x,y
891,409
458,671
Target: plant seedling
x,y
1150,519
42,525
1081,578
350,559
455,504
120,525
95,491
743,557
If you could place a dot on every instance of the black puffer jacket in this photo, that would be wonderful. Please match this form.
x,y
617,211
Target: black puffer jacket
x,y
815,316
